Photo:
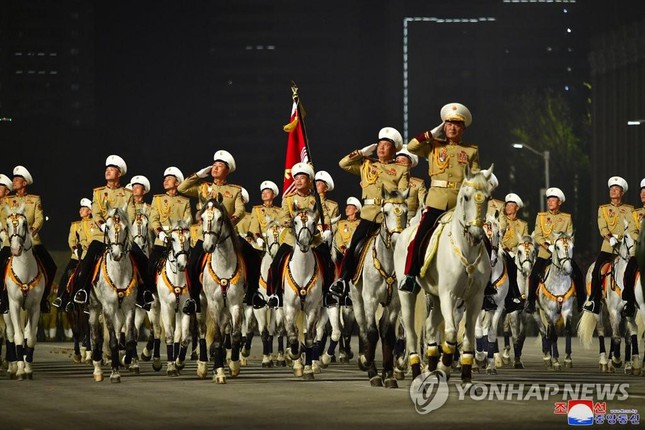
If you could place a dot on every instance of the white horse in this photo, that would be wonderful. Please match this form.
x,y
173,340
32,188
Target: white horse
x,y
376,284
302,290
525,257
555,297
114,295
458,271
223,278
612,285
487,353
172,293
25,284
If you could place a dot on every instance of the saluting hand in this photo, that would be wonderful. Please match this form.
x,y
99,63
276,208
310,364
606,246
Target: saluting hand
x,y
368,149
204,172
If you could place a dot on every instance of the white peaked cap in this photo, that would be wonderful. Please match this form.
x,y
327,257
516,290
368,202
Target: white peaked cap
x,y
141,180
617,180
393,135
6,181
173,171
324,176
456,112
413,157
116,161
302,168
245,195
226,157
270,185
555,192
86,203
354,201
643,183
22,171
512,197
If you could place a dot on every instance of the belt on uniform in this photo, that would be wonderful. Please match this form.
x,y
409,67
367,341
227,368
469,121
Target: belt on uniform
x,y
444,184
372,201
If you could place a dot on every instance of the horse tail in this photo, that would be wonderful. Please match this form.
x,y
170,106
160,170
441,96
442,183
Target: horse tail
x,y
420,314
210,329
585,329
640,326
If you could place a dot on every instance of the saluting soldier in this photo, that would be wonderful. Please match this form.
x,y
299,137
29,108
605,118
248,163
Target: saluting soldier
x,y
417,196
245,222
81,233
377,175
166,210
103,198
447,156
262,214
140,186
6,186
35,218
197,186
611,217
302,197
547,225
347,226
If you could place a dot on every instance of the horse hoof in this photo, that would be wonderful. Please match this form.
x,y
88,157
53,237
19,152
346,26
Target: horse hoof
x,y
218,379
390,383
115,379
180,365
547,363
343,358
617,364
376,381
145,355
29,375
518,364
77,358
362,363
156,364
267,364
202,370
315,366
491,371
98,377
506,359
20,376
603,368
466,380
172,373
498,360
134,369
399,374
325,360
568,363
297,372
234,368
308,376
281,363
245,352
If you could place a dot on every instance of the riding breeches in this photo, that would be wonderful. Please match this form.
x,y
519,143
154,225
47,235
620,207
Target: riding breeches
x,y
596,290
630,279
413,260
534,278
363,230
83,278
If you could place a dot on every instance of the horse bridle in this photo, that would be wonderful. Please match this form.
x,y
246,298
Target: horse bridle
x,y
304,229
209,215
527,246
488,227
14,218
117,230
174,256
138,220
557,261
385,232
274,231
480,198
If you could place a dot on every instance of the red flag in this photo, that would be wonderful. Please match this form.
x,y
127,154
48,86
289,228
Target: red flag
x,y
296,148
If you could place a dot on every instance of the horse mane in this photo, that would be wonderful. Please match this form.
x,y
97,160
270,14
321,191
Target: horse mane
x,y
180,224
227,225
395,196
121,213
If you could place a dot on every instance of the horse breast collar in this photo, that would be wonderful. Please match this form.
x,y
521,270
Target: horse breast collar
x,y
225,283
304,290
121,293
25,287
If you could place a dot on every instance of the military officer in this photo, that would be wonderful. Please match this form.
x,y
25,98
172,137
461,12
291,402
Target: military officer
x,y
196,229
632,265
513,226
324,185
302,197
166,210
447,156
35,218
547,225
347,226
140,186
418,191
377,175
103,198
262,214
245,221
196,186
611,226
6,187
80,235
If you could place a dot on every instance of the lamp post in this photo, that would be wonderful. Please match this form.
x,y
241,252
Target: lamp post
x,y
545,155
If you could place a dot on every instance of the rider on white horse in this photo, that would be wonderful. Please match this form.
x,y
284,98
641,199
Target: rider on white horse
x,y
262,214
547,225
112,195
418,191
140,186
302,198
514,230
6,186
166,210
79,238
611,227
35,217
231,198
633,268
377,175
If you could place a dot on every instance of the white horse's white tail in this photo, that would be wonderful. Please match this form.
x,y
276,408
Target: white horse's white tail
x,y
585,329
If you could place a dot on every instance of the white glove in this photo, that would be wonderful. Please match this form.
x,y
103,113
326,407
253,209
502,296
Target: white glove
x,y
326,236
368,149
204,172
162,236
260,242
613,241
102,227
437,132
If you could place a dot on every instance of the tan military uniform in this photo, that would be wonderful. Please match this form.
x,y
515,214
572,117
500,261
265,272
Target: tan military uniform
x,y
195,233
104,197
287,214
33,212
547,224
514,228
343,236
260,216
244,224
446,163
417,196
639,215
167,210
375,177
204,191
610,221
82,232
495,205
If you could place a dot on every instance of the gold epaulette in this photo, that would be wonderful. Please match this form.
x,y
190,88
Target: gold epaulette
x,y
99,188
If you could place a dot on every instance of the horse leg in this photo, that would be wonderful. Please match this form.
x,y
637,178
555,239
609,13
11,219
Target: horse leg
x,y
18,338
602,353
493,348
184,342
111,326
311,318
432,323
346,353
449,345
168,321
131,333
30,341
219,355
468,342
202,362
408,302
334,320
360,314
616,361
555,353
506,356
481,343
247,334
387,328
568,362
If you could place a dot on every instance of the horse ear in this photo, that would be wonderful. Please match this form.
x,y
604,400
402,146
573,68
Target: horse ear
x,y
7,209
21,208
405,193
220,198
467,172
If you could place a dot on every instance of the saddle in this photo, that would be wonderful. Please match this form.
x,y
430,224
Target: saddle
x,y
430,242
360,254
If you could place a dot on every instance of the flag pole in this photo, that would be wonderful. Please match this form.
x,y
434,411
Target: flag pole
x,y
296,99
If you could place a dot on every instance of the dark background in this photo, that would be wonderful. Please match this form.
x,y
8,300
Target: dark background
x,y
168,83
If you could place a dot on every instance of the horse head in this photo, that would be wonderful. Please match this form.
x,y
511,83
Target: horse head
x,y
179,244
18,232
216,225
627,244
471,202
494,234
117,238
271,234
562,252
395,215
304,226
139,227
526,254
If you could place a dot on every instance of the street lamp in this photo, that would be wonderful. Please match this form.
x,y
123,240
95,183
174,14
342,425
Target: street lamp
x,y
636,122
545,155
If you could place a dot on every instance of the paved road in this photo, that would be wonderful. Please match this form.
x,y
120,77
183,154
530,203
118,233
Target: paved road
x,y
63,395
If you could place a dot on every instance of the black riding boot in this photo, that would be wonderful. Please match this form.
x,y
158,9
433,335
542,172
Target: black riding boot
x,y
593,303
413,262
193,304
534,281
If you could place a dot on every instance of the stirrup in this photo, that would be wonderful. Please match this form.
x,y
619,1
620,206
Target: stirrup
x,y
591,306
190,307
274,301
148,298
69,307
489,304
338,288
80,297
58,302
409,284
258,301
